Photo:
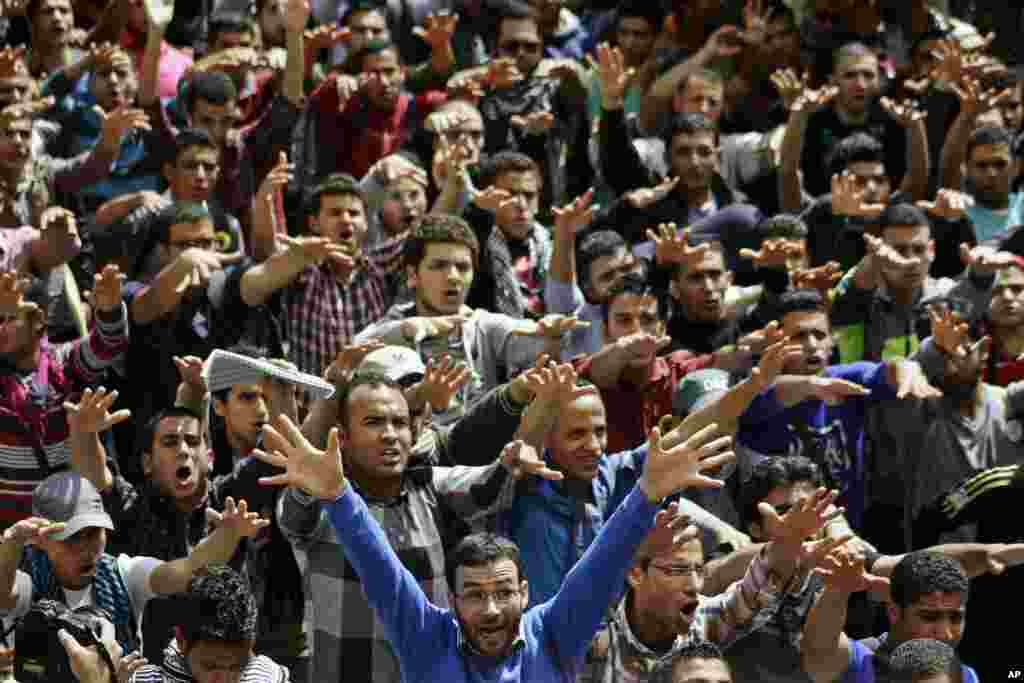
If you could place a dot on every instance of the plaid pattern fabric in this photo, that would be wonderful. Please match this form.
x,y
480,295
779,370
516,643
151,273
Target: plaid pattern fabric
x,y
324,315
743,608
349,642
32,411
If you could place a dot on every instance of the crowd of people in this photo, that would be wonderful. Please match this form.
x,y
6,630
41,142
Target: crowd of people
x,y
609,341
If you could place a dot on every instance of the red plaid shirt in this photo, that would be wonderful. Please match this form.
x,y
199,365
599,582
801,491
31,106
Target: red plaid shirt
x,y
324,315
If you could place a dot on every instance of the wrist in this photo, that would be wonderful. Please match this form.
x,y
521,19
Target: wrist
x,y
518,394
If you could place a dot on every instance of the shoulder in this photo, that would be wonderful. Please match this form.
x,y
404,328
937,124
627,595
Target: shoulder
x,y
263,669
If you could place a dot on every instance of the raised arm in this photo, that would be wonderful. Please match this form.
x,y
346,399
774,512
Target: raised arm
x,y
909,117
261,281
296,16
58,240
409,619
234,524
572,617
158,17
87,419
802,102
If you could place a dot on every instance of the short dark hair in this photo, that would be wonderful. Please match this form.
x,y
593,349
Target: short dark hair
x,y
598,244
361,379
989,135
922,573
371,49
800,301
229,22
437,228
179,213
636,285
210,86
770,474
854,49
651,12
333,185
924,658
192,137
477,550
701,74
902,215
856,148
689,124
507,162
699,648
783,226
148,432
219,607
379,6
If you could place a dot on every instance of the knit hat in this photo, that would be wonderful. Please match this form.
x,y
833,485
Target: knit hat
x,y
70,498
225,369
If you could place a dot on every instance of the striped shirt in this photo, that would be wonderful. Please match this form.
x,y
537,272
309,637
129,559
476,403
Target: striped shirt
x,y
258,669
349,642
33,424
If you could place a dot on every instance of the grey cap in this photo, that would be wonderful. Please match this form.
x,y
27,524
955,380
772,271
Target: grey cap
x,y
397,363
225,369
698,389
70,498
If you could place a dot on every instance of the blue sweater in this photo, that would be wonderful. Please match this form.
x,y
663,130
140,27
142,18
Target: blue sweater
x,y
553,637
830,435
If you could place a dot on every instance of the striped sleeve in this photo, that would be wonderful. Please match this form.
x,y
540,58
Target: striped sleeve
x,y
86,359
958,503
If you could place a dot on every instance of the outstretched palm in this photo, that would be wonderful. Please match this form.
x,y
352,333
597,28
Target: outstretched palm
x,y
684,466
318,473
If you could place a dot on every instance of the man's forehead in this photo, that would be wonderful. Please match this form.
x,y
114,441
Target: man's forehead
x,y
501,571
519,180
178,424
689,140
943,602
805,320
633,303
856,63
990,151
200,227
1014,275
448,251
621,257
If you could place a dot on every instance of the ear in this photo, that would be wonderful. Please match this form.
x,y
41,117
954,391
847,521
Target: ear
x,y
219,407
410,274
674,290
179,637
931,250
524,593
168,170
755,530
728,279
635,576
313,224
147,462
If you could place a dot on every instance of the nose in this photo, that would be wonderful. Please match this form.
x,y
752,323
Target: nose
x,y
490,605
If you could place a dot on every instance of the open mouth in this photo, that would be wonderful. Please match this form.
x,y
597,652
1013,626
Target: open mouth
x,y
391,456
185,478
689,609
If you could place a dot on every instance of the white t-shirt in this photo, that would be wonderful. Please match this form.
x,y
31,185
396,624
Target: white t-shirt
x,y
134,570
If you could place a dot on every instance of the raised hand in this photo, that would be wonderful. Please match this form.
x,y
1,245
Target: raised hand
x,y
950,334
642,345
437,30
159,14
906,113
190,369
814,554
671,530
534,123
522,460
347,87
846,574
805,519
776,253
832,390
503,73
237,519
773,361
848,199
442,381
12,292
492,198
13,8
434,326
671,247
950,205
789,85
554,384
119,122
727,41
612,75
759,340
985,260
755,22
348,360
576,215
325,37
91,415
974,100
277,179
911,382
395,167
885,255
31,531
106,289
552,326
318,473
316,250
469,87
684,466
648,196
128,665
58,223
823,278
